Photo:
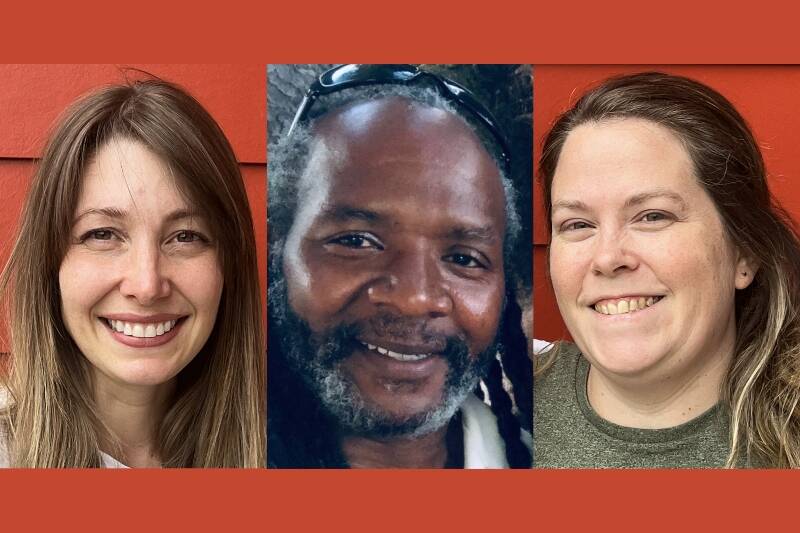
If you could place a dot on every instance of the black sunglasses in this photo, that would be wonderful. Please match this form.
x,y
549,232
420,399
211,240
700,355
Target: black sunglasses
x,y
346,76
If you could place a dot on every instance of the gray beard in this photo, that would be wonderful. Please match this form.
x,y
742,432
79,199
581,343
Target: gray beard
x,y
317,359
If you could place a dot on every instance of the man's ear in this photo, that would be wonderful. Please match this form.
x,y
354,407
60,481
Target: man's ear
x,y
746,269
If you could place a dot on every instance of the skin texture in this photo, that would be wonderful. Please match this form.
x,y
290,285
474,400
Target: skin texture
x,y
631,219
400,232
129,256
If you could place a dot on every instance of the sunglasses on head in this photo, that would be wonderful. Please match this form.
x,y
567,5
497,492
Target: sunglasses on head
x,y
347,76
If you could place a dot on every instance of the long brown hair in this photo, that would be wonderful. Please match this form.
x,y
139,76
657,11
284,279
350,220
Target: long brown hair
x,y
762,387
217,416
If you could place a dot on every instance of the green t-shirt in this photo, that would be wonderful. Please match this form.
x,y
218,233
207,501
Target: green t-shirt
x,y
568,433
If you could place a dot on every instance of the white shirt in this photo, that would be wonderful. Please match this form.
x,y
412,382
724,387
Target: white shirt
x,y
106,460
483,445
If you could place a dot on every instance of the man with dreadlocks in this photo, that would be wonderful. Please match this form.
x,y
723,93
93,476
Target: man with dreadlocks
x,y
390,221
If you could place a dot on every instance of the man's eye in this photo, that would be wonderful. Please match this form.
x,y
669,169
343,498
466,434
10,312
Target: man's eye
x,y
464,260
356,241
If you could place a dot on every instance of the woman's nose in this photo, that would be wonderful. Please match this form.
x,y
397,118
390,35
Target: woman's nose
x,y
613,254
144,279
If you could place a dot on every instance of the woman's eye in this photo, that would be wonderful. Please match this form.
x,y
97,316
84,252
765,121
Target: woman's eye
x,y
575,225
356,241
188,236
98,235
654,216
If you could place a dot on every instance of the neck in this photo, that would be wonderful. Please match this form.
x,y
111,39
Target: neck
x,y
132,414
428,451
662,400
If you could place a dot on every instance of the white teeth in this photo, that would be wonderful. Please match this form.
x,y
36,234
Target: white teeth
x,y
621,307
395,355
140,330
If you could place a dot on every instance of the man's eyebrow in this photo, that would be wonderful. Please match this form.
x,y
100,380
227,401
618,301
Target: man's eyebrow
x,y
345,213
485,234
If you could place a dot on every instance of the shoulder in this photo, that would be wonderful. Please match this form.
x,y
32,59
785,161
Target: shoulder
x,y
558,359
556,382
483,445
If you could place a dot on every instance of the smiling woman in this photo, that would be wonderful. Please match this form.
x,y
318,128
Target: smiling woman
x,y
677,276
134,307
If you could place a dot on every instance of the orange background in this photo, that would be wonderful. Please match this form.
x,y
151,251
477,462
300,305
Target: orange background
x,y
766,96
33,96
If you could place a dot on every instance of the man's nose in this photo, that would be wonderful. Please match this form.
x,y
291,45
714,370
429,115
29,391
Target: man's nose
x,y
144,278
613,254
412,285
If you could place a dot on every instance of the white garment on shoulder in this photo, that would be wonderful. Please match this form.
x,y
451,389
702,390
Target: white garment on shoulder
x,y
540,346
106,460
483,445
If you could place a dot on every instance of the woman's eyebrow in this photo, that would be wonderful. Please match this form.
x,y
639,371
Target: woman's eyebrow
x,y
633,201
180,214
121,214
576,205
641,198
109,212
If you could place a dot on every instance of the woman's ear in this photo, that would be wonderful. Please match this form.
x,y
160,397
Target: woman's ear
x,y
746,269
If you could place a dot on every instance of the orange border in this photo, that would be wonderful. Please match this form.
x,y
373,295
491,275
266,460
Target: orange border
x,y
229,500
616,31
613,31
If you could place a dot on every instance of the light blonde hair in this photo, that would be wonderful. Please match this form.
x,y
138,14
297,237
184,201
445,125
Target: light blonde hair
x,y
216,418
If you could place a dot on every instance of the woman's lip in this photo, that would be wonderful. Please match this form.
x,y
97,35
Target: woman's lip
x,y
142,319
143,342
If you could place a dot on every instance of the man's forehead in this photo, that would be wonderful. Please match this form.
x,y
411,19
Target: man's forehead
x,y
394,150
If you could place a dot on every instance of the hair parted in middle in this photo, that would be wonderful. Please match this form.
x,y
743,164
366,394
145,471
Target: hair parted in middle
x,y
287,162
217,414
762,388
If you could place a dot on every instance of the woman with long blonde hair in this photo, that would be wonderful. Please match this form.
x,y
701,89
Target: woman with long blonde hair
x,y
132,294
678,277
